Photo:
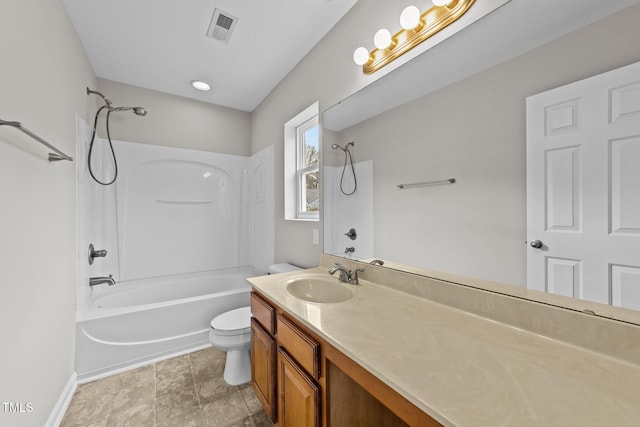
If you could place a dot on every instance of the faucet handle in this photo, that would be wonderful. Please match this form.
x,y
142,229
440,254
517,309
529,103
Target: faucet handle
x,y
354,275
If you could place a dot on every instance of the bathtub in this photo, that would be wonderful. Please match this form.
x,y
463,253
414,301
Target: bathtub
x,y
136,322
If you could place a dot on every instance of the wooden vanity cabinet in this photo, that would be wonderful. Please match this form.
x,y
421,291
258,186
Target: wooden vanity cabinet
x,y
263,355
299,403
263,368
285,364
303,381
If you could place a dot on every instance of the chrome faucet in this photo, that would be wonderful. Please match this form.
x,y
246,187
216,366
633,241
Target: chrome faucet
x,y
346,276
99,280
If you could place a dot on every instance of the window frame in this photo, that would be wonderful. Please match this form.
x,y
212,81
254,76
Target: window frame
x,y
302,171
291,154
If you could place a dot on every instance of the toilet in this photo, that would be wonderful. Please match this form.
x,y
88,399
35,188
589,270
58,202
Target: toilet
x,y
231,332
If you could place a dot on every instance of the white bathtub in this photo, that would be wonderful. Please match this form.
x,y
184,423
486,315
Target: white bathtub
x,y
132,323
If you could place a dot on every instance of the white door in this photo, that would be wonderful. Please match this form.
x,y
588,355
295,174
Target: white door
x,y
583,189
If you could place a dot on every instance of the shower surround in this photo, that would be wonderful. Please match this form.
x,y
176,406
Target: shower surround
x,y
182,229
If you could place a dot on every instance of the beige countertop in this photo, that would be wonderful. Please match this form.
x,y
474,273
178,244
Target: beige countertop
x,y
464,369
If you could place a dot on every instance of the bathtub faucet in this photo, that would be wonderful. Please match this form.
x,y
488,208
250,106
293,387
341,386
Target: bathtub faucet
x,y
99,280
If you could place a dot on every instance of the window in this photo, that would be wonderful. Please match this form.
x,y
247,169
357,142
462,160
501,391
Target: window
x,y
307,170
302,166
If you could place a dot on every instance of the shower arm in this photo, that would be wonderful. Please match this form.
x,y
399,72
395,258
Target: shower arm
x,y
94,92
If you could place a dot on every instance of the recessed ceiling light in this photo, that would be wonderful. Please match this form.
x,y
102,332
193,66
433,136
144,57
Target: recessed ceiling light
x,y
200,85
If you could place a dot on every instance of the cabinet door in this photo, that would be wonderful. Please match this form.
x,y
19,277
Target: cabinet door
x,y
263,368
299,403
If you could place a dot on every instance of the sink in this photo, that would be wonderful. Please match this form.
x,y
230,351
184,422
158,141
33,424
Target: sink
x,y
319,289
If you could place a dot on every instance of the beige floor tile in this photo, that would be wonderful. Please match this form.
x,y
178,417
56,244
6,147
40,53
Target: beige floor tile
x,y
174,405
229,410
207,364
101,423
134,416
192,418
83,411
96,389
173,374
207,355
250,398
168,394
133,395
261,419
213,389
136,377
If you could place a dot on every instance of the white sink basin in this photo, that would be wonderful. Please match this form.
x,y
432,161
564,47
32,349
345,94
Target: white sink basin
x,y
319,289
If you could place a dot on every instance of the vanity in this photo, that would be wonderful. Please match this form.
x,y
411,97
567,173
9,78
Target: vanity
x,y
406,349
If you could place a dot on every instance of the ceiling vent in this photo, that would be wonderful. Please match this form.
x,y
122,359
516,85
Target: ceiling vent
x,y
222,26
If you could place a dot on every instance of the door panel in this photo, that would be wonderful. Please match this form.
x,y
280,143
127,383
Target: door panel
x,y
583,189
263,368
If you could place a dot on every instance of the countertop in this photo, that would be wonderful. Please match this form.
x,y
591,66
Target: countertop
x,y
464,369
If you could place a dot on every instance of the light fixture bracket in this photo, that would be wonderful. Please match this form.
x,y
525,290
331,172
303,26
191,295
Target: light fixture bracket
x,y
432,21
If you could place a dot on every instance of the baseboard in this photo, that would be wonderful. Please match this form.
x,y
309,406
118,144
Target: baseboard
x,y
55,418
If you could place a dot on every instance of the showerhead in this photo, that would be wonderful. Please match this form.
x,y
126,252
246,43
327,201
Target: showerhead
x,y
108,105
137,110
345,148
140,111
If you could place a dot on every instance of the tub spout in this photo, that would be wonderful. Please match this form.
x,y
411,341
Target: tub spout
x,y
99,280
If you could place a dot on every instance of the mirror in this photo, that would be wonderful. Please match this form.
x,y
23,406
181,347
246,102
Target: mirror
x,y
429,121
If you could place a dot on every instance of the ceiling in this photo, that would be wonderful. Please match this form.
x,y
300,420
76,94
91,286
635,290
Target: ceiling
x,y
162,44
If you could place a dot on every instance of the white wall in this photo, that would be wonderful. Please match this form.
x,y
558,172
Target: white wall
x,y
43,77
453,131
176,121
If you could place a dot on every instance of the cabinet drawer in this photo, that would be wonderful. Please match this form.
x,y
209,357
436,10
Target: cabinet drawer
x,y
264,313
304,349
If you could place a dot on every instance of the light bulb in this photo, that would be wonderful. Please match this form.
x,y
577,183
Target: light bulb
x,y
382,39
410,18
441,2
200,85
361,56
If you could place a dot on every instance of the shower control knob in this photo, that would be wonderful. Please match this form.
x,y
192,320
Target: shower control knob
x,y
351,234
536,244
95,253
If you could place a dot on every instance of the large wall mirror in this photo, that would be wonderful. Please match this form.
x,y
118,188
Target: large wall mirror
x,y
458,111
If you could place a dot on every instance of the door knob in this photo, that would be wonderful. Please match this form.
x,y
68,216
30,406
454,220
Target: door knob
x,y
536,244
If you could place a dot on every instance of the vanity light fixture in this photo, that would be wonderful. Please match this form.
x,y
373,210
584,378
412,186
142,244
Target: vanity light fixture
x,y
416,28
197,84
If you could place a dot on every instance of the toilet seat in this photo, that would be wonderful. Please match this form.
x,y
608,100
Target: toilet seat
x,y
234,322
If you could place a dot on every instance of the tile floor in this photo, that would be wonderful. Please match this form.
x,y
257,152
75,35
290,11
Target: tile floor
x,y
183,391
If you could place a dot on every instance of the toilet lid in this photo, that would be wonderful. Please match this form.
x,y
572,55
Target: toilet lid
x,y
233,320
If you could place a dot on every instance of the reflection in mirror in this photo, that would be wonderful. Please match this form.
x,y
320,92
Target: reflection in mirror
x,y
473,130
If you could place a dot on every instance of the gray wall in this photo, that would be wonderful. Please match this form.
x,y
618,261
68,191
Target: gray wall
x,y
473,130
327,75
176,121
43,75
